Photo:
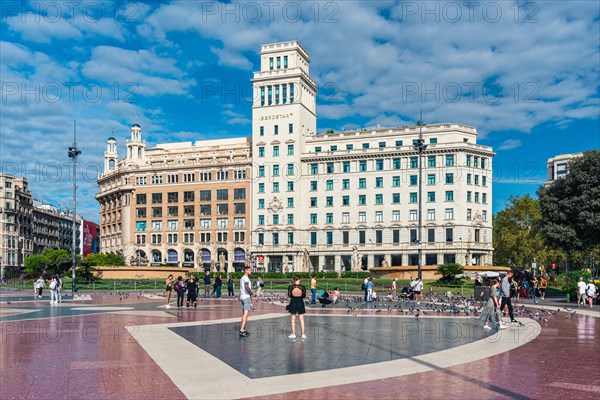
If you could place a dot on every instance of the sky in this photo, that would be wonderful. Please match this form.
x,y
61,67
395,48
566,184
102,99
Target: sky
x,y
524,73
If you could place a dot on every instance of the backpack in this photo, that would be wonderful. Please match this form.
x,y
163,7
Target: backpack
x,y
363,287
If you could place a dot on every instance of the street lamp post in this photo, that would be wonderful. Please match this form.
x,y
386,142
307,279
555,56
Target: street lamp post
x,y
73,153
420,146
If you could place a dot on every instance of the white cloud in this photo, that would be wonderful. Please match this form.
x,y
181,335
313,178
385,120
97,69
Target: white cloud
x,y
146,72
510,144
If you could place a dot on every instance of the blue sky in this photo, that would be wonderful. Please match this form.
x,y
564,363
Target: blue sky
x,y
526,74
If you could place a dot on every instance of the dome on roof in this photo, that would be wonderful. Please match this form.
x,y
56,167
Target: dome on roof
x,y
111,138
135,126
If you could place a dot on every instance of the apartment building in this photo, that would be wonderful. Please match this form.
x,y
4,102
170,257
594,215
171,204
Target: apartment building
x,y
177,204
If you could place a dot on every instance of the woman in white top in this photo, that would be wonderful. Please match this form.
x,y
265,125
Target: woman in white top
x,y
38,287
54,287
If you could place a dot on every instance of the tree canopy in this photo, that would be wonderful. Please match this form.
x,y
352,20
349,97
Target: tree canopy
x,y
517,240
570,206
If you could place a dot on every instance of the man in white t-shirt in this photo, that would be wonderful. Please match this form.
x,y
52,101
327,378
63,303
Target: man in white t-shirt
x,y
590,291
245,298
418,290
581,297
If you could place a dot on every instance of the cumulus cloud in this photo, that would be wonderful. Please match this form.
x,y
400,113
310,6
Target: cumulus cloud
x,y
145,72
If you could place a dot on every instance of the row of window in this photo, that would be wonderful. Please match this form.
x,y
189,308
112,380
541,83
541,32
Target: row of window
x,y
190,224
261,132
362,198
277,94
362,217
272,59
190,211
188,238
190,177
362,237
190,196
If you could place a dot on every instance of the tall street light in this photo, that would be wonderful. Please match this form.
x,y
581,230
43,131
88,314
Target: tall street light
x,y
420,146
73,153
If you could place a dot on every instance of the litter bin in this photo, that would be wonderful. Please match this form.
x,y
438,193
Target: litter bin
x,y
568,297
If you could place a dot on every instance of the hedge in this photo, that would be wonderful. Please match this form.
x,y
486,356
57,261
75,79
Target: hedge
x,y
270,275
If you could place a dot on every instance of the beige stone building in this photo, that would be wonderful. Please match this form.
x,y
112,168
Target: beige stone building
x,y
349,200
177,204
16,211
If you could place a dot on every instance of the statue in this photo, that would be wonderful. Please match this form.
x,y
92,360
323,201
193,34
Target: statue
x,y
384,263
357,258
222,262
305,261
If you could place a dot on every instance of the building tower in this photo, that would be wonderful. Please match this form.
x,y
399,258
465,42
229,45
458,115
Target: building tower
x,y
283,116
110,155
135,146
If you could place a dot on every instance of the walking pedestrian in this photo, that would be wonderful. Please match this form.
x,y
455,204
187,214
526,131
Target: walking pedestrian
x,y
590,291
230,287
38,287
297,294
246,299
418,290
259,286
168,288
543,286
313,290
505,292
192,290
581,296
491,312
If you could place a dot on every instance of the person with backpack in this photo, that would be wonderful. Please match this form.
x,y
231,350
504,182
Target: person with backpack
x,y
180,289
192,290
218,284
590,291
53,285
59,288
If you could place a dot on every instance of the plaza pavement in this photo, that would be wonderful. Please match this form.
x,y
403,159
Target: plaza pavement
x,y
129,346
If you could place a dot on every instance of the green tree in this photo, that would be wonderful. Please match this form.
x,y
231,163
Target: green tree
x,y
449,271
49,261
570,207
517,240
108,259
36,264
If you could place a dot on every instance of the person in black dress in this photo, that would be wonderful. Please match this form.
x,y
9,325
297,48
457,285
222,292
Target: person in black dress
x,y
297,294
192,289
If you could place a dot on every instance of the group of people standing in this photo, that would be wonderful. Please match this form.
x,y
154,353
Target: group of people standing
x,y
55,285
191,286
